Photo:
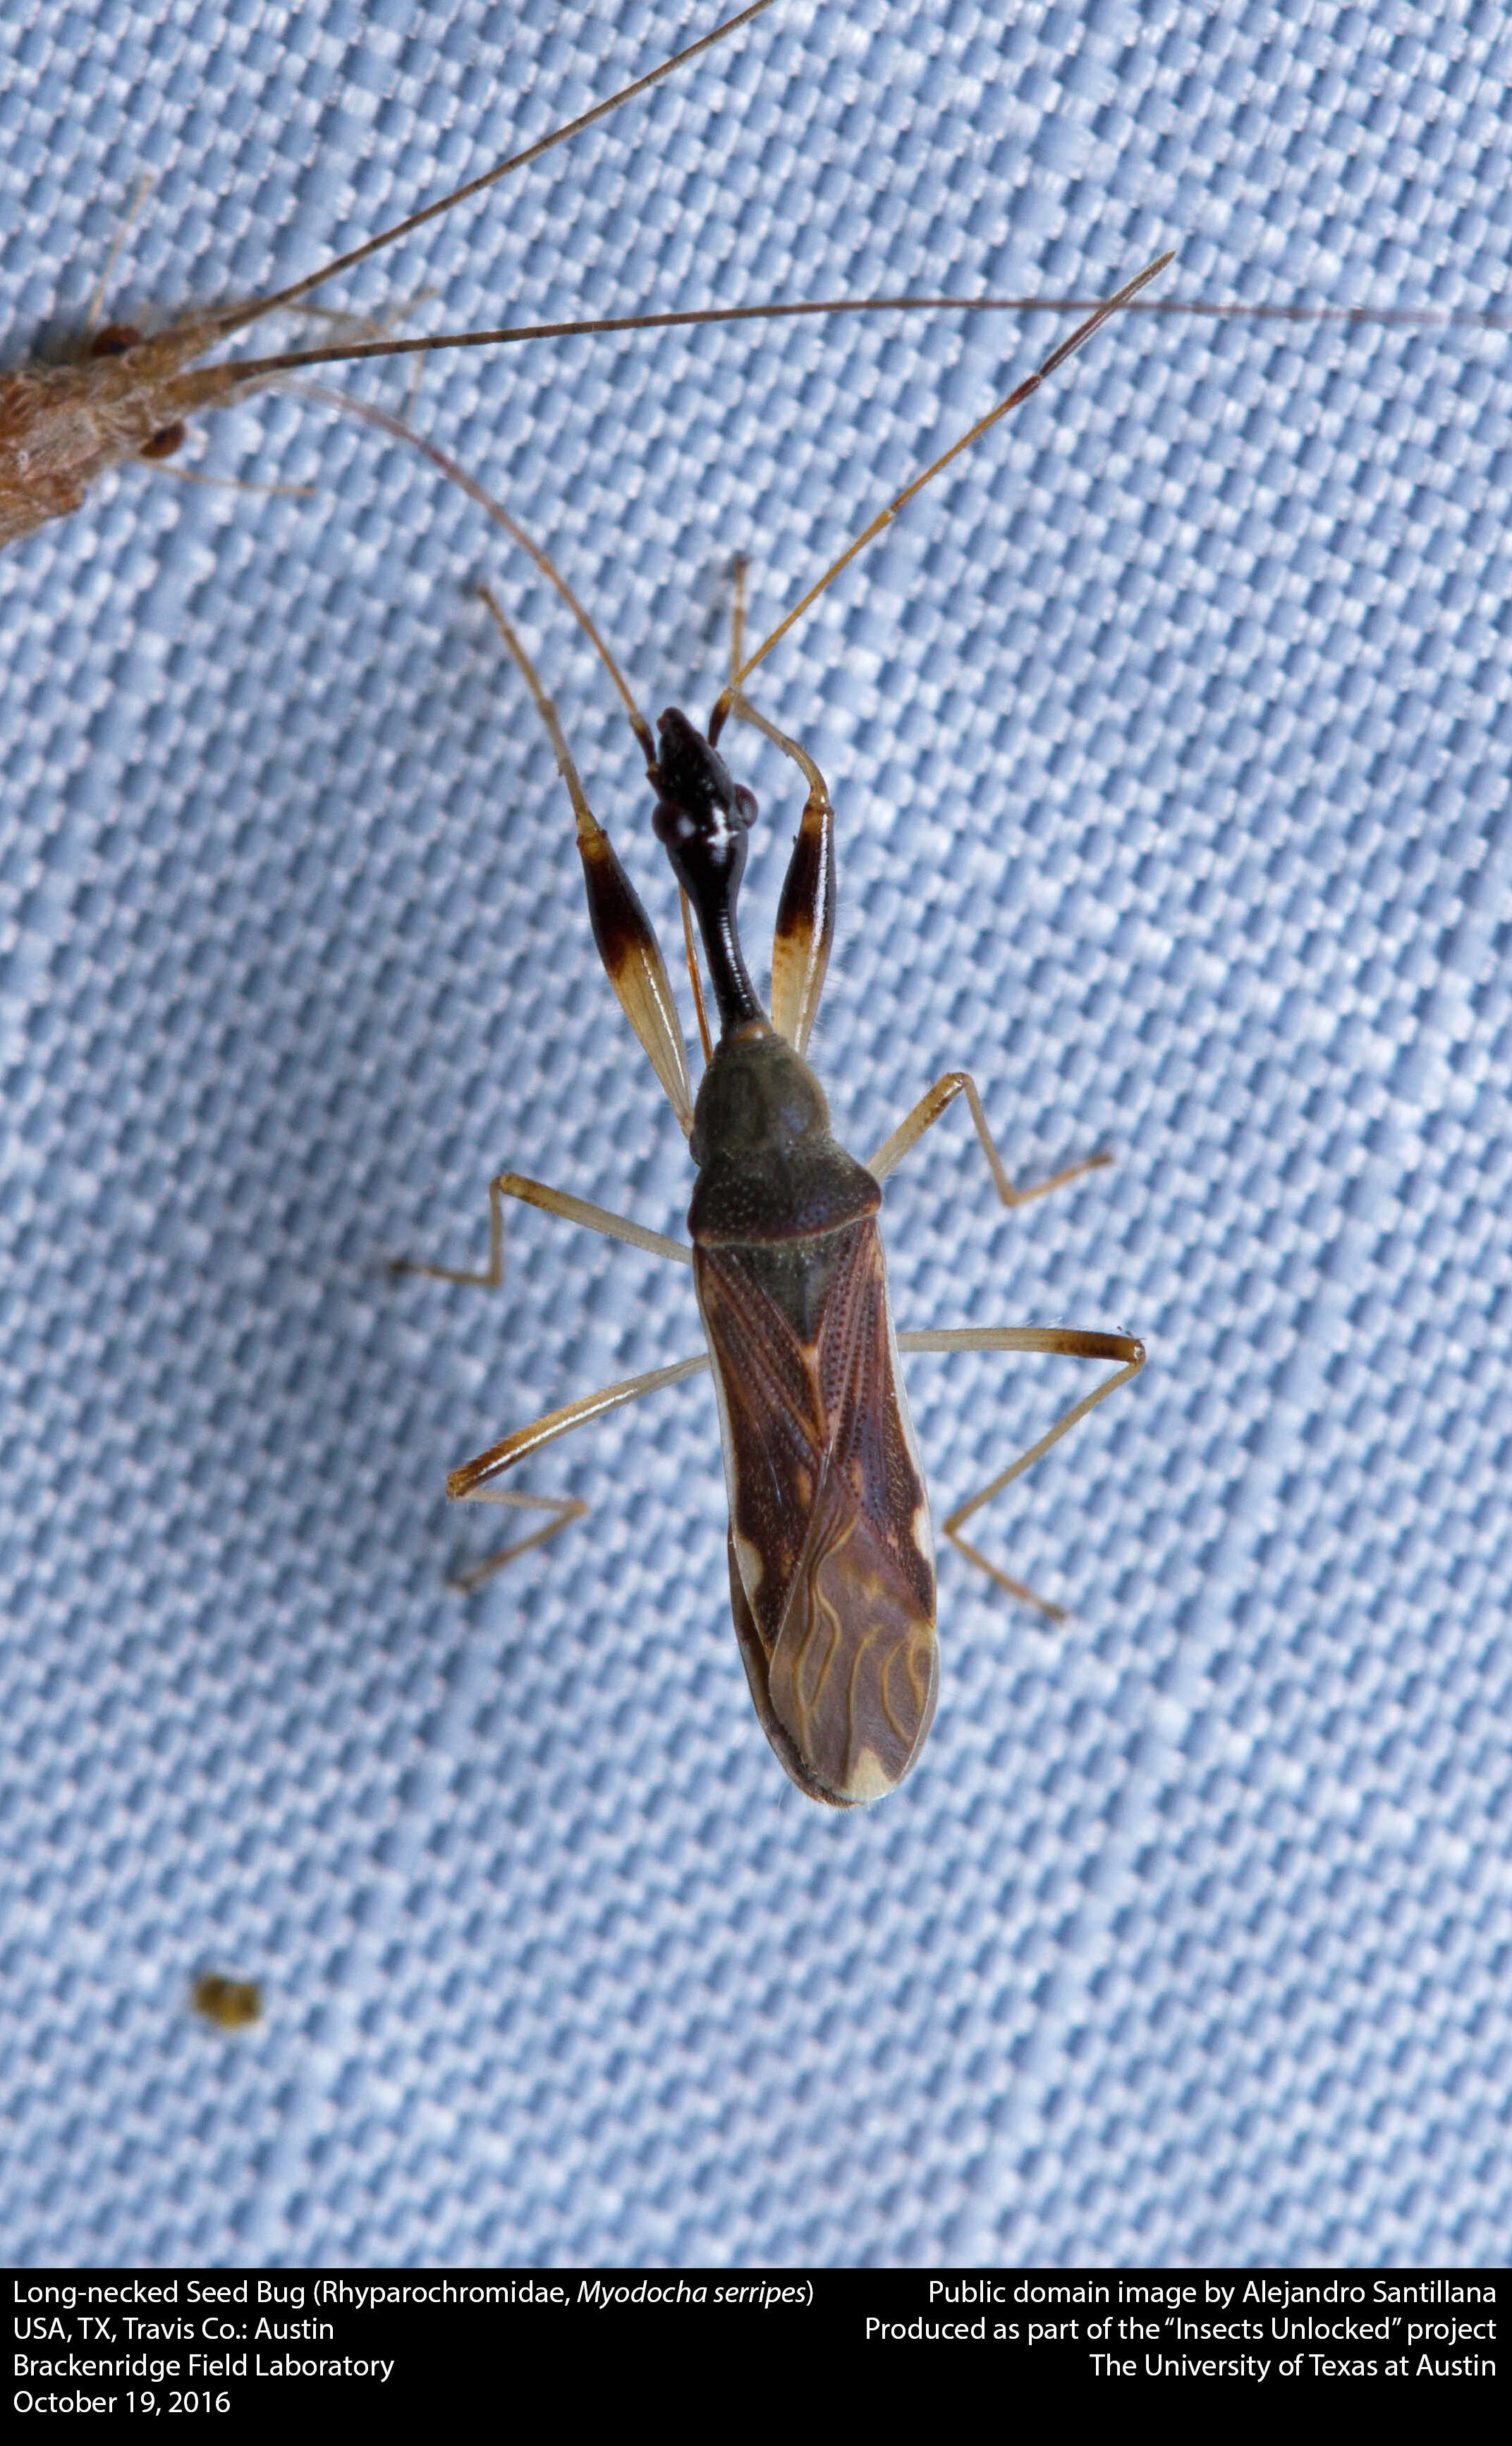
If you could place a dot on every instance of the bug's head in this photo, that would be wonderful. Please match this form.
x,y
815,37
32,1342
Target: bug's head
x,y
701,818
118,340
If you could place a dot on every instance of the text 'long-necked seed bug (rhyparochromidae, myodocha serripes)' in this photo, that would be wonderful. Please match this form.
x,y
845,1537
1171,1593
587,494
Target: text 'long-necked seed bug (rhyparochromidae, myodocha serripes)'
x,y
830,1552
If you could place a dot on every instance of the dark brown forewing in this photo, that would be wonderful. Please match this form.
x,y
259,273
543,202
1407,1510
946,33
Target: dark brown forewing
x,y
828,1521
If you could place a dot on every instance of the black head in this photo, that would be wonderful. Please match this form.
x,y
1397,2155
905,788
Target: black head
x,y
702,820
702,815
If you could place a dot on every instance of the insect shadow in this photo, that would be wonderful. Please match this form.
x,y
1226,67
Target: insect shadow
x,y
830,1552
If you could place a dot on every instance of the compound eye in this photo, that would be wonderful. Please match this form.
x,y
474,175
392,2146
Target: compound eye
x,y
673,826
745,806
115,340
164,444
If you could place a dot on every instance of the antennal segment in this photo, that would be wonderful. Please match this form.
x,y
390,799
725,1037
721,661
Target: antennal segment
x,y
1015,398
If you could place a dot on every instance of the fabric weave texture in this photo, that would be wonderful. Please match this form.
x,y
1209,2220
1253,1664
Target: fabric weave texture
x,y
1170,742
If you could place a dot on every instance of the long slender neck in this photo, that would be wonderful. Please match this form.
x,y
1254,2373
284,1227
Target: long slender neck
x,y
732,990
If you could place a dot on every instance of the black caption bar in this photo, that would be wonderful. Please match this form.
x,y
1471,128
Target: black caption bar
x,y
122,2345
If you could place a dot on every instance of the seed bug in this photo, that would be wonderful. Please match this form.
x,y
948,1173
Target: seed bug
x,y
130,395
830,1547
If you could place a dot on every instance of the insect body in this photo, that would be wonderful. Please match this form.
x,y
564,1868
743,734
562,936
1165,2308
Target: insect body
x,y
62,427
831,1560
831,1552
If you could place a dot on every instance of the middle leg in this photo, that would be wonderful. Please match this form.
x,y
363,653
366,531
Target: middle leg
x,y
938,1099
550,1201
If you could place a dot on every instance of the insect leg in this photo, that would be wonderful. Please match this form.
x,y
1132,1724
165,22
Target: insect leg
x,y
805,930
1065,1342
927,1110
623,932
565,1509
471,1482
550,1201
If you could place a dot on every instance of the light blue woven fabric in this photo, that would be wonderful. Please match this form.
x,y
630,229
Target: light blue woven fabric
x,y
1170,739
